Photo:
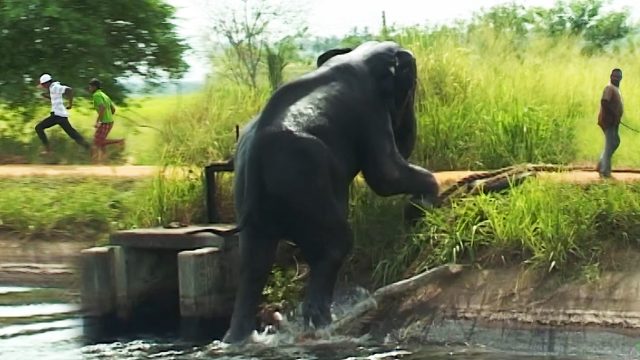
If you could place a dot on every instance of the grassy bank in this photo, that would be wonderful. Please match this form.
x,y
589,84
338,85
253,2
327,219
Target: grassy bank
x,y
46,207
89,208
547,226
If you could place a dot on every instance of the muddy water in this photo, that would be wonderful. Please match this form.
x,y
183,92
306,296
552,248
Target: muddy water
x,y
38,323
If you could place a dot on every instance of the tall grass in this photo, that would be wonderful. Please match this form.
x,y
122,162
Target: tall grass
x,y
90,208
64,207
204,131
174,195
485,100
548,225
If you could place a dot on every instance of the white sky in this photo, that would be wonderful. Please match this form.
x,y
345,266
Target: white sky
x,y
338,17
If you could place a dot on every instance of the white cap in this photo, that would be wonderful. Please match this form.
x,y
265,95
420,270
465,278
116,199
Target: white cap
x,y
45,78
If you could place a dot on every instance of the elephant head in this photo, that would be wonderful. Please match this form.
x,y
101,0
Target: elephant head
x,y
396,74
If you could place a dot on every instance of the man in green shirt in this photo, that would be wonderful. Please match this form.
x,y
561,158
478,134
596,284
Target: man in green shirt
x,y
104,122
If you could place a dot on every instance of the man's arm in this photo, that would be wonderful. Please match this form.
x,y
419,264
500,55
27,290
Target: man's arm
x,y
46,96
609,102
68,93
101,110
609,107
113,109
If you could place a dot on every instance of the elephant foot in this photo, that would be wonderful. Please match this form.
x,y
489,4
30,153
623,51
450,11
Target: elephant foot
x,y
238,334
317,315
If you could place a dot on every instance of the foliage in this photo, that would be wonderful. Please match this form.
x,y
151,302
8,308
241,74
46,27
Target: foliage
x,y
63,207
548,225
75,40
248,27
278,57
581,18
173,195
203,131
77,207
282,285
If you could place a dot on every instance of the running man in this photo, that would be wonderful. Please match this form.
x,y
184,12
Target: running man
x,y
59,114
104,122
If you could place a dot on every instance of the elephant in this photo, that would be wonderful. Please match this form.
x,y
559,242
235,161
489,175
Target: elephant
x,y
294,163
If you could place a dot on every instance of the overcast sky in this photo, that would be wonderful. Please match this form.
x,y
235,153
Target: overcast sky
x,y
337,17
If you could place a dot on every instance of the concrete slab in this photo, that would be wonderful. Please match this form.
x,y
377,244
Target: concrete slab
x,y
178,239
98,288
201,283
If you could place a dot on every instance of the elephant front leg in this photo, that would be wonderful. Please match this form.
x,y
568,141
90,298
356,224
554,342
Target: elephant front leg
x,y
400,177
257,254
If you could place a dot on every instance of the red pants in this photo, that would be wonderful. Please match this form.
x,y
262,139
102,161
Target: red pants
x,y
100,138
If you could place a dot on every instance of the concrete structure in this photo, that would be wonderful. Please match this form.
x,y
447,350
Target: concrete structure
x,y
153,278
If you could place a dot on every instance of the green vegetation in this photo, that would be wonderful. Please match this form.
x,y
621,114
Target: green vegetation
x,y
490,95
513,85
139,123
42,207
89,208
547,225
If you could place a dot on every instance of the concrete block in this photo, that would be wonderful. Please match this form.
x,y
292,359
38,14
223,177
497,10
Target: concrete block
x,y
98,289
204,291
146,282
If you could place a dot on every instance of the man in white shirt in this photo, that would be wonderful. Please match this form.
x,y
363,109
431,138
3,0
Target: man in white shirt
x,y
59,114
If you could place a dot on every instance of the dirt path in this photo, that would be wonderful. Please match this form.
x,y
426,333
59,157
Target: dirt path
x,y
138,171
133,171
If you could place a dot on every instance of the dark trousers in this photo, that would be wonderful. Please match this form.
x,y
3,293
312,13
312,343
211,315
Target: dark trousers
x,y
611,143
53,120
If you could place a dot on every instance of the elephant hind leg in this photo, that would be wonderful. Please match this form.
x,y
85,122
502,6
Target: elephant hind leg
x,y
257,255
325,247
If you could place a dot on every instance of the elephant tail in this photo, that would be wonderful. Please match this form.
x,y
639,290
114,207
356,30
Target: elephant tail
x,y
248,179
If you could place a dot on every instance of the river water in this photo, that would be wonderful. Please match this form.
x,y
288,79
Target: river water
x,y
38,323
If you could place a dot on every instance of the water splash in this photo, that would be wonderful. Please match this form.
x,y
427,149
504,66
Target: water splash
x,y
4,290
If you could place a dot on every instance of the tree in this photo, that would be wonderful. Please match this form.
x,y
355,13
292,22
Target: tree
x,y
249,27
278,56
76,40
586,18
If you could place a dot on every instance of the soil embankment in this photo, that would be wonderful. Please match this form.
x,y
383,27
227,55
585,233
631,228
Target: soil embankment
x,y
509,298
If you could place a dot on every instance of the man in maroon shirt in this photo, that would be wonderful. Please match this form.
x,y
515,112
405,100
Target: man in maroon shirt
x,y
611,110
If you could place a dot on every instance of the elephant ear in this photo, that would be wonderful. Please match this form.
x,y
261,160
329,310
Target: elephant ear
x,y
398,84
405,78
330,54
404,119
